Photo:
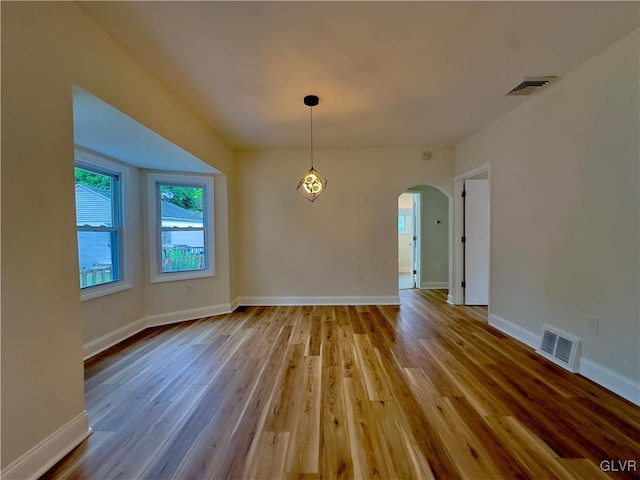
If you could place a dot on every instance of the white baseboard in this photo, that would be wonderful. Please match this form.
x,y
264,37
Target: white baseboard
x,y
281,301
184,315
516,331
623,386
110,339
49,451
434,285
603,376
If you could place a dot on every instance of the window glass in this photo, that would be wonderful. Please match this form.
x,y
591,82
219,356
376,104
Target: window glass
x,y
402,224
184,252
97,258
94,198
182,206
182,227
99,226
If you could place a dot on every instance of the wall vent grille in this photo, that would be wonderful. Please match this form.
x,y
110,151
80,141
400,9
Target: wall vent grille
x,y
561,348
530,85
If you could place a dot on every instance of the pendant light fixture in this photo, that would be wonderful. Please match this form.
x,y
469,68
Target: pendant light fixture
x,y
312,184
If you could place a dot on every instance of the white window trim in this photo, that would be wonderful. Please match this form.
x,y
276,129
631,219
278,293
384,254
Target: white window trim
x,y
154,223
99,162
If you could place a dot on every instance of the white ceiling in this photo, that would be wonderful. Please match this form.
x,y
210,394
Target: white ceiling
x,y
387,73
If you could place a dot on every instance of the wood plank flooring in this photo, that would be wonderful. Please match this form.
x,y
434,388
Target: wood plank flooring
x,y
425,390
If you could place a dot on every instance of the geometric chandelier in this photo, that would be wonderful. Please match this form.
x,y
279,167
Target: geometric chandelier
x,y
313,183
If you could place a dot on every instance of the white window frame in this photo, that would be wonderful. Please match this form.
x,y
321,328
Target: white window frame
x,y
101,164
154,225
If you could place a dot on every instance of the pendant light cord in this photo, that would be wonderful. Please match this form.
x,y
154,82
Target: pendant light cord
x,y
311,123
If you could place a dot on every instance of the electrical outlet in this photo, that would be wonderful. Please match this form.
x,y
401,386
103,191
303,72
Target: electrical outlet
x,y
594,324
189,288
360,277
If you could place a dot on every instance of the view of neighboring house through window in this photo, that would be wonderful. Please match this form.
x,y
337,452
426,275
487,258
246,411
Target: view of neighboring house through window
x,y
99,225
183,226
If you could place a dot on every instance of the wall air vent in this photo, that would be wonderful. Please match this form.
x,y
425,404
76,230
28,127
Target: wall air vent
x,y
530,85
560,348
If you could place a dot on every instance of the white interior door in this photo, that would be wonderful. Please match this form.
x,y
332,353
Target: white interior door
x,y
476,246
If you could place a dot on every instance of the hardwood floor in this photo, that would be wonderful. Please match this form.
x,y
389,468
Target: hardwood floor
x,y
427,390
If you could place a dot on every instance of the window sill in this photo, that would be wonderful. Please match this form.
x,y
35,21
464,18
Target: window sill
x,y
176,276
104,290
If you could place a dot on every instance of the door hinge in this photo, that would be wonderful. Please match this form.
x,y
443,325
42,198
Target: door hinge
x,y
415,238
415,272
463,284
464,193
463,239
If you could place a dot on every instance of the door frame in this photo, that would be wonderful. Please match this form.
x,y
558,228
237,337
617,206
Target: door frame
x,y
416,240
456,292
415,250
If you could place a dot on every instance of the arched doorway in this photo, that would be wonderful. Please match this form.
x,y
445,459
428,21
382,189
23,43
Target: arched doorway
x,y
423,238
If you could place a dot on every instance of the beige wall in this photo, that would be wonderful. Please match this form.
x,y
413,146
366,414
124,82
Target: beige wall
x,y
564,207
290,247
47,47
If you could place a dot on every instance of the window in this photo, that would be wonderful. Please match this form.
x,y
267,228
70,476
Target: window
x,y
402,223
100,224
180,227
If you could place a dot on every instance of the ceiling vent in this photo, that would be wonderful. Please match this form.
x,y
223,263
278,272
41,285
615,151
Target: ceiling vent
x,y
531,85
560,348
